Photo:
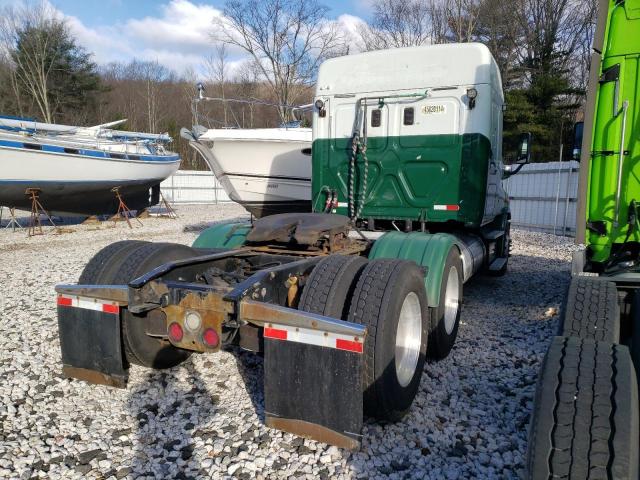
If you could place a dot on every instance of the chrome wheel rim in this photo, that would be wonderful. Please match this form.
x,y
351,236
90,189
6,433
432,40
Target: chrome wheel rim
x,y
451,300
408,339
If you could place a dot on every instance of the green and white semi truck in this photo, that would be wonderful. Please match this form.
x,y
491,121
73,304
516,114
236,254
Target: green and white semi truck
x,y
585,421
345,302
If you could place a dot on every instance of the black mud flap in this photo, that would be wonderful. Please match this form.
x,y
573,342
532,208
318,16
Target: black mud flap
x,y
91,346
314,392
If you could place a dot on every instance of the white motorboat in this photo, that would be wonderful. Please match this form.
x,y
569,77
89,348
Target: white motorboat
x,y
266,170
76,168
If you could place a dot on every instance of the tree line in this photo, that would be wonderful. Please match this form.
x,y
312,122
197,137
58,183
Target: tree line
x,y
542,48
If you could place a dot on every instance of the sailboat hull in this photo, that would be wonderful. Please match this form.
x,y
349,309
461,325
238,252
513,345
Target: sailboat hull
x,y
79,182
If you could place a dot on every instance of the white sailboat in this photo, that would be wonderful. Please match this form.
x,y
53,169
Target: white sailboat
x,y
75,168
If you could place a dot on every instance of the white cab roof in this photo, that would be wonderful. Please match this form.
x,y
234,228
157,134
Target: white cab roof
x,y
431,66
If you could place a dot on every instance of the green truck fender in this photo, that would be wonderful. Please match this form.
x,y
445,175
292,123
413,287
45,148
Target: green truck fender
x,y
224,235
427,250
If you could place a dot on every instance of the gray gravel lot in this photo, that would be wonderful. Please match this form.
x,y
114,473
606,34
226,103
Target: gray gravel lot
x,y
198,420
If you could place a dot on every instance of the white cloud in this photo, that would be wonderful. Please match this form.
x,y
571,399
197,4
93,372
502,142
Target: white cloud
x,y
351,25
179,38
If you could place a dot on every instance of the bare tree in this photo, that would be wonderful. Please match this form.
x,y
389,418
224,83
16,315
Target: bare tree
x,y
500,28
404,23
217,67
32,68
556,34
288,39
398,23
462,18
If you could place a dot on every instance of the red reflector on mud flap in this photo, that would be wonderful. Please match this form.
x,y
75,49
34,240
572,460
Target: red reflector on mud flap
x,y
107,308
349,346
275,333
65,301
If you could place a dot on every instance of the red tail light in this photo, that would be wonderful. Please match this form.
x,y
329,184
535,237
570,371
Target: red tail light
x,y
210,338
175,332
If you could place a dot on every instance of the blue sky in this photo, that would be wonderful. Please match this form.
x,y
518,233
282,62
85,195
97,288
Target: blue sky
x,y
175,33
110,11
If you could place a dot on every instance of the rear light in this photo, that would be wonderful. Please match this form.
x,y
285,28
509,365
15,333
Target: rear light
x,y
175,332
192,321
210,338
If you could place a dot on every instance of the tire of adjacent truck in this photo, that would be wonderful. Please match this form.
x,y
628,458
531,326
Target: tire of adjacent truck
x,y
445,318
330,286
591,310
634,345
140,348
585,417
391,301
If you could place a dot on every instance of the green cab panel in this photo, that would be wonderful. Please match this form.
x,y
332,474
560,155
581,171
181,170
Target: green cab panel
x,y
427,250
620,70
224,235
409,177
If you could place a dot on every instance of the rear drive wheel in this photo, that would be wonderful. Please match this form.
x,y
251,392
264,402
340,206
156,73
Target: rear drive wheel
x,y
591,310
104,258
330,285
445,318
585,418
391,301
141,348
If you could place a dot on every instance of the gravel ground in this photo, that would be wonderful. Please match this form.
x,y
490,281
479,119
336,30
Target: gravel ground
x,y
198,420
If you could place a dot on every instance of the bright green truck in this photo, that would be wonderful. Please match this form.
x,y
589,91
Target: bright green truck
x,y
345,302
585,422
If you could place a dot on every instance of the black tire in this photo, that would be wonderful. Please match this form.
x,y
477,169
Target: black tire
x,y
441,339
140,348
330,285
105,257
591,310
635,332
585,418
377,302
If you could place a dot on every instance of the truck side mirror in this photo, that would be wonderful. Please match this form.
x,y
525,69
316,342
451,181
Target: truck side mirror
x,y
524,149
576,151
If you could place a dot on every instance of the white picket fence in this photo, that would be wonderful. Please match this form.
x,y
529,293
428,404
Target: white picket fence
x,y
543,195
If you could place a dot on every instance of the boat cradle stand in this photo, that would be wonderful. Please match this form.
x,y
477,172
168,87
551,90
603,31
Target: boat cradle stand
x,y
123,210
13,221
35,224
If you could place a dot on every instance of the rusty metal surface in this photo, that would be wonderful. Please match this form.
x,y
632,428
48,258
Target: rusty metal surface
x,y
168,267
114,293
262,314
212,309
353,247
93,376
292,293
313,432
